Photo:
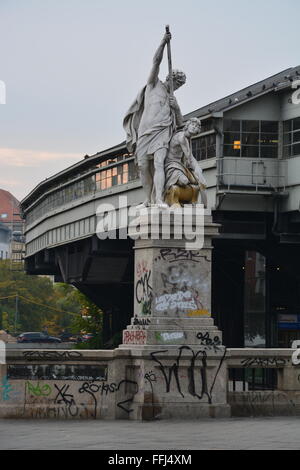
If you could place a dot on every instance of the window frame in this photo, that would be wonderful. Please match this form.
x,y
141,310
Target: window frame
x,y
259,130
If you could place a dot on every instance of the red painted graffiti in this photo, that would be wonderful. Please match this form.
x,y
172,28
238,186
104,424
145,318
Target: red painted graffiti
x,y
134,337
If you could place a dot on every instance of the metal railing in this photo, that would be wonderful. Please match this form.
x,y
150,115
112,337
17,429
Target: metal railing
x,y
261,176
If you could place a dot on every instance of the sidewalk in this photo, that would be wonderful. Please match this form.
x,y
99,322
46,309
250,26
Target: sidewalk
x,y
234,433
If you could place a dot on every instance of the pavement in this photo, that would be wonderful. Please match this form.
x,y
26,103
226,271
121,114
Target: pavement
x,y
222,434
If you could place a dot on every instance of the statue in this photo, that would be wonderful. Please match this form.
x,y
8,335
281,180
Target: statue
x,y
184,177
150,124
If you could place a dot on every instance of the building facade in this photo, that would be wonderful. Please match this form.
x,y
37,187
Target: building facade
x,y
12,244
249,150
5,245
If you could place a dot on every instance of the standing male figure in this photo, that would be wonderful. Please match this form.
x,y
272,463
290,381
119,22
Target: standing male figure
x,y
150,123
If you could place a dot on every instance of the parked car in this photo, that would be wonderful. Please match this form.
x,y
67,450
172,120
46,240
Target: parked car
x,y
36,337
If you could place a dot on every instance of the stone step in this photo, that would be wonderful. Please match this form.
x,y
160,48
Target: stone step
x,y
173,321
205,337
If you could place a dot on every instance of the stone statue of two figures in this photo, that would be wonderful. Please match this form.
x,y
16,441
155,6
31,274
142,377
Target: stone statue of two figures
x,y
169,173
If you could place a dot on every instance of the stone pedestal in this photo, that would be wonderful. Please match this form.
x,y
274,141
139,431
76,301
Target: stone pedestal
x,y
177,352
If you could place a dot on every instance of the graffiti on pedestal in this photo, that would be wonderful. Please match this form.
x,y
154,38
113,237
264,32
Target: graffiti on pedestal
x,y
199,313
174,337
143,288
181,300
141,321
134,337
209,342
185,289
178,254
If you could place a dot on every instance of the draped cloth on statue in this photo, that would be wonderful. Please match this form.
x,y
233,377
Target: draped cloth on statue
x,y
174,170
149,122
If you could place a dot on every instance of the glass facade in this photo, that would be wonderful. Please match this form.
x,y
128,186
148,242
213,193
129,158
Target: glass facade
x,y
250,139
291,138
104,175
204,147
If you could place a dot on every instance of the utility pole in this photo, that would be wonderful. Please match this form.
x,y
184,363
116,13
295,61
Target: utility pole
x,y
16,312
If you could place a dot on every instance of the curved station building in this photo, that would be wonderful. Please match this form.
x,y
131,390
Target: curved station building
x,y
249,150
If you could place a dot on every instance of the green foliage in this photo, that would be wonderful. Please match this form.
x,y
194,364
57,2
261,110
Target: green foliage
x,y
43,305
90,321
36,301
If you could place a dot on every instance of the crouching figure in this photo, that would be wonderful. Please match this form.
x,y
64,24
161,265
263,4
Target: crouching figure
x,y
184,178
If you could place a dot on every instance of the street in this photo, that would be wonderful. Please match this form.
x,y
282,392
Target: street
x,y
225,434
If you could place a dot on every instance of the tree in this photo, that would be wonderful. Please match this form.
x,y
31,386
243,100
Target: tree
x,y
41,304
37,302
90,320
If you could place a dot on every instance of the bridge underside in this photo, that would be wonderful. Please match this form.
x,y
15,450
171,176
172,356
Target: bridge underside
x,y
255,278
101,269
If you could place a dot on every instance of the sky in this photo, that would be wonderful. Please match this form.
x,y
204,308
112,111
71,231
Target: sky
x,y
72,68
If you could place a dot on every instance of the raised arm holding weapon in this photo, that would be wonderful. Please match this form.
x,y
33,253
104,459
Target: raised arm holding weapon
x,y
150,124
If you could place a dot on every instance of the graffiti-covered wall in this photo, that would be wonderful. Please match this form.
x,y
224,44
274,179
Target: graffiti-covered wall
x,y
110,384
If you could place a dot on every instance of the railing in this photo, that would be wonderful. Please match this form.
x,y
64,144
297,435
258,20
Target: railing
x,y
253,175
263,382
251,379
255,369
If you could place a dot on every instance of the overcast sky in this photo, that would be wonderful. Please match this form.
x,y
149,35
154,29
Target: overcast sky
x,y
73,67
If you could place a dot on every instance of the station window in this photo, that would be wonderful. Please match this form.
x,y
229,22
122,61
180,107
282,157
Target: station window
x,y
86,226
204,147
115,176
250,139
133,173
125,173
291,138
89,184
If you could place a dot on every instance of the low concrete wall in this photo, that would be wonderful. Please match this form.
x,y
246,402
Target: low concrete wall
x,y
63,384
284,400
117,384
128,384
